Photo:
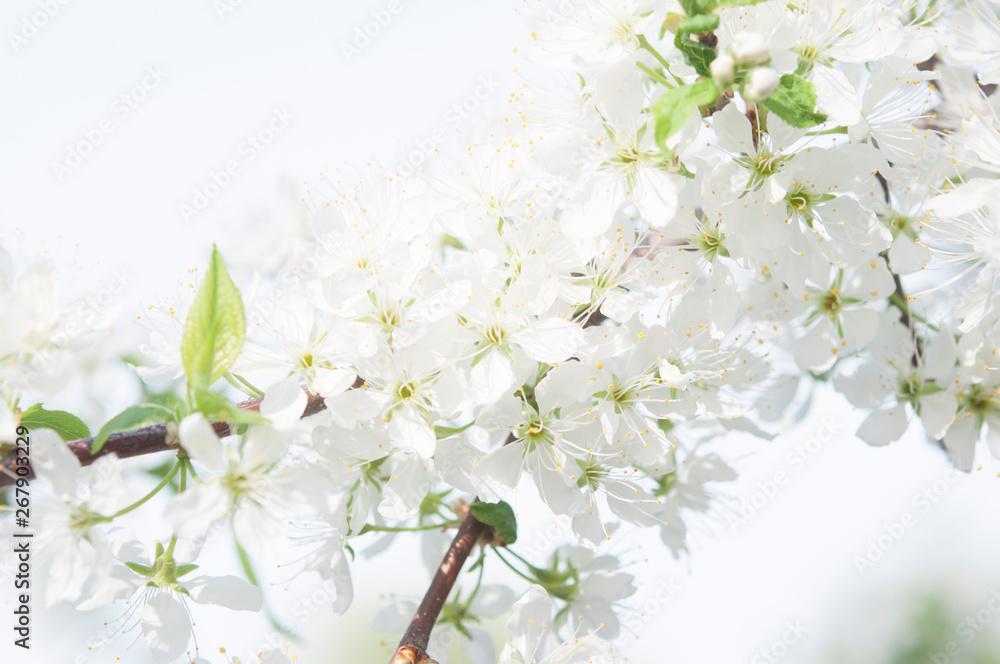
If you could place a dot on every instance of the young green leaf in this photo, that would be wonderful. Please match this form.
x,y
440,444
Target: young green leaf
x,y
67,425
499,516
692,7
215,327
696,54
794,101
134,417
674,107
220,409
698,24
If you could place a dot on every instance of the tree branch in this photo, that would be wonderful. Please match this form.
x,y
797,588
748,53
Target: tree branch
x,y
146,440
413,647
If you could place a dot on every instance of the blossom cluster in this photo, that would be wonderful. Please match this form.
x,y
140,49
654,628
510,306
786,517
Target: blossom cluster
x,y
706,207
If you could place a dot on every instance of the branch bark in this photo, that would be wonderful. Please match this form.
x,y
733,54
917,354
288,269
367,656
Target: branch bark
x,y
146,440
413,647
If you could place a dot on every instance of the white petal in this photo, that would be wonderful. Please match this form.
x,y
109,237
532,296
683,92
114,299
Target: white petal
x,y
69,571
491,377
193,512
817,350
907,255
231,592
329,382
733,130
550,340
655,195
405,489
937,412
410,432
940,356
284,402
884,426
528,621
200,442
456,460
259,532
499,472
835,96
262,446
54,463
166,627
554,486
960,442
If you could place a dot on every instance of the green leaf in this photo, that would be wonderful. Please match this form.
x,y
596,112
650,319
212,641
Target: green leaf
x,y
133,417
446,432
698,24
696,54
67,425
218,408
794,101
215,327
674,107
499,516
692,7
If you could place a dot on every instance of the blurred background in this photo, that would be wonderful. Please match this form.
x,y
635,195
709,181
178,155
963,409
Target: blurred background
x,y
137,134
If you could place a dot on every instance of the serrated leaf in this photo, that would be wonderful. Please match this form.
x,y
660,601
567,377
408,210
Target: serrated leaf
x,y
133,417
696,54
674,107
215,327
218,408
794,101
67,425
446,432
499,516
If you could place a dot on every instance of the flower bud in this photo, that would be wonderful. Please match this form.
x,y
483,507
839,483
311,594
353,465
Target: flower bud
x,y
723,69
761,83
749,48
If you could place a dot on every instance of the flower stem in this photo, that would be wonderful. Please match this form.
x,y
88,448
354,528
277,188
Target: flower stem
x,y
645,45
166,479
654,75
368,528
516,570
243,385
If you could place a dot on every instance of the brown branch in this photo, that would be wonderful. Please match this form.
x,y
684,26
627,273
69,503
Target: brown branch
x,y
413,647
146,440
